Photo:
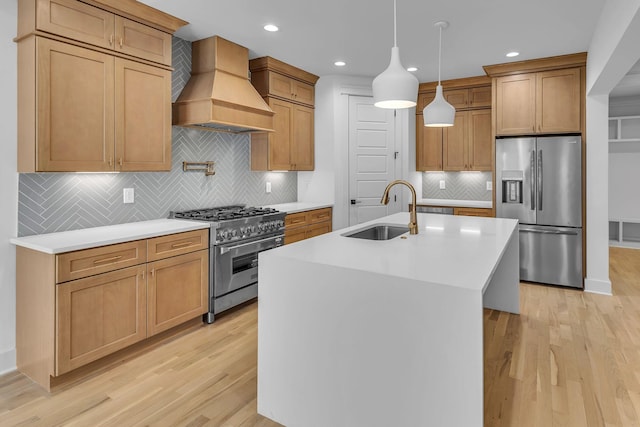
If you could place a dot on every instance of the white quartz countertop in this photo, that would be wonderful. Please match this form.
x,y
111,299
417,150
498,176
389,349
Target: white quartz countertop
x,y
54,243
299,206
460,251
456,203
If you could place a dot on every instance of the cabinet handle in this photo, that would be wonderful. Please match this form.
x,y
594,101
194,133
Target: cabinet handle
x,y
106,260
152,272
181,245
120,161
111,40
121,41
110,161
142,274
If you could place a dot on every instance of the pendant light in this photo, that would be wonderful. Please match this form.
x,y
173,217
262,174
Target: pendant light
x,y
439,113
395,87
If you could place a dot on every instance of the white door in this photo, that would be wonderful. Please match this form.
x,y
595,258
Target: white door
x,y
372,160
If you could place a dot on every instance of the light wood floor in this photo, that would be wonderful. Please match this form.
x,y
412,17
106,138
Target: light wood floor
x,y
569,359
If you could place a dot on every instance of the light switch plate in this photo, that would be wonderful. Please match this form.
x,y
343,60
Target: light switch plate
x,y
128,195
268,187
489,186
442,185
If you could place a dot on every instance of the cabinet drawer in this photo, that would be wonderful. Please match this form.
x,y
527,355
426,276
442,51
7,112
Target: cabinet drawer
x,y
177,244
295,220
76,20
473,212
317,230
319,215
292,236
88,262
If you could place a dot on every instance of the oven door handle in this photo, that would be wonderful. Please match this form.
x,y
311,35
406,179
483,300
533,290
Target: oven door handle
x,y
225,249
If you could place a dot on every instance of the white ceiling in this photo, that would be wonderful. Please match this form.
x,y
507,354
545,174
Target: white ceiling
x,y
314,34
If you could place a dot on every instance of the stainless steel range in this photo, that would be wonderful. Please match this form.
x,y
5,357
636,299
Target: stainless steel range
x,y
237,235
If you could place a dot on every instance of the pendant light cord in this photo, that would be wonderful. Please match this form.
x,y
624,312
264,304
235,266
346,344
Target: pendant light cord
x,y
439,54
395,41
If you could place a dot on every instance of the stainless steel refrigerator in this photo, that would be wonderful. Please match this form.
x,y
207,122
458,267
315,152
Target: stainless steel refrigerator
x,y
539,182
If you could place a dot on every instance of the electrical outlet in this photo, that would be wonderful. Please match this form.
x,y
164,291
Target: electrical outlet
x,y
128,195
268,187
442,185
489,186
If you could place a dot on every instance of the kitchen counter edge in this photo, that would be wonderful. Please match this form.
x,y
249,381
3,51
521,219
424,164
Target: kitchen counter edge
x,y
86,238
295,207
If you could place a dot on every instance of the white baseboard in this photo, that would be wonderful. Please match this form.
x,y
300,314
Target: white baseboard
x,y
7,361
596,286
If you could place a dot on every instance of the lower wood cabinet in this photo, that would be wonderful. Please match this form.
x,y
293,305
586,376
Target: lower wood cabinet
x,y
99,315
304,225
77,307
177,290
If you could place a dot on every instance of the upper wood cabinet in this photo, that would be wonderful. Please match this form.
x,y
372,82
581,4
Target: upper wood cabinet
x,y
85,23
546,102
289,92
89,99
467,145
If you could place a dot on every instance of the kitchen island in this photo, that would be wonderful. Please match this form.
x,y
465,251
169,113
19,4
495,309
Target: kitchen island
x,y
355,332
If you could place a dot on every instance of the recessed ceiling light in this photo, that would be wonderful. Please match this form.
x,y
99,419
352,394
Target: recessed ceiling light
x,y
271,27
412,69
339,63
512,54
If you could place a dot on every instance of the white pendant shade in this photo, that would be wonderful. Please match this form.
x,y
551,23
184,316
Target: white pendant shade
x,y
439,113
395,87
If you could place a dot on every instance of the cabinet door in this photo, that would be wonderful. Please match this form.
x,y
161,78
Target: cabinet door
x,y
76,20
317,230
302,146
143,117
424,99
99,315
178,290
319,215
280,85
480,97
75,108
455,143
515,112
280,139
558,101
428,147
144,42
303,93
292,236
480,142
459,98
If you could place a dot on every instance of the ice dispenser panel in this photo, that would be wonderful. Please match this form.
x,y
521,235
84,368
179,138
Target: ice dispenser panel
x,y
512,186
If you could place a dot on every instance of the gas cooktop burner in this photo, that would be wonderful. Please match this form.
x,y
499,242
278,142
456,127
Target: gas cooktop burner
x,y
223,213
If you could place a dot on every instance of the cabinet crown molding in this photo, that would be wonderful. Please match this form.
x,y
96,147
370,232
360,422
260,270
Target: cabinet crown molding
x,y
463,83
536,65
272,64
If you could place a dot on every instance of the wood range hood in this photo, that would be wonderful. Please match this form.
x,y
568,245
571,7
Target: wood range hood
x,y
219,95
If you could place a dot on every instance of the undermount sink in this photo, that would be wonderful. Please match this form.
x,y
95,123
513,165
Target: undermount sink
x,y
378,232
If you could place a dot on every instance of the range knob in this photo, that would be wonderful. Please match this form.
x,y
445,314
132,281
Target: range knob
x,y
261,227
234,233
223,234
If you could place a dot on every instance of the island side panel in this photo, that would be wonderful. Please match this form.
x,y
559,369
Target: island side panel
x,y
340,347
503,290
35,315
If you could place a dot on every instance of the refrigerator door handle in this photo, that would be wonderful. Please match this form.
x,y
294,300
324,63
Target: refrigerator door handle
x,y
540,180
535,230
533,175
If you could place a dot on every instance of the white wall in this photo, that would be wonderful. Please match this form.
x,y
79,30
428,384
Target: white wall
x,y
330,179
612,52
8,185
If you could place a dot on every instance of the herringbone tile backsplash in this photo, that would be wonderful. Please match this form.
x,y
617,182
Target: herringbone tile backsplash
x,y
51,202
458,185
